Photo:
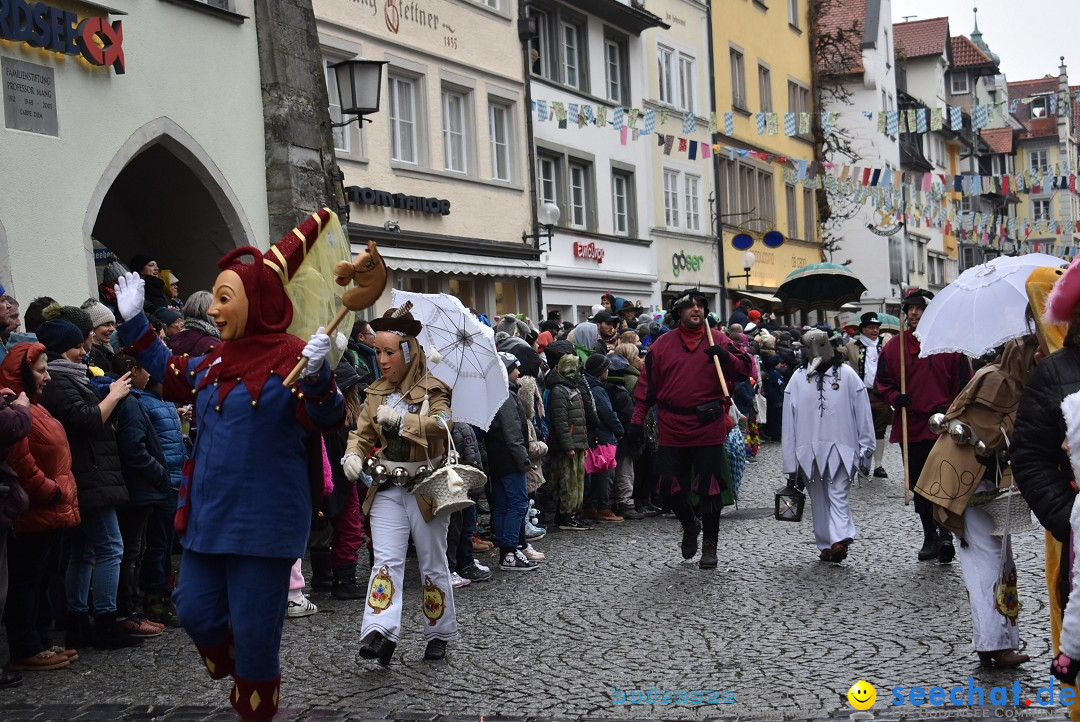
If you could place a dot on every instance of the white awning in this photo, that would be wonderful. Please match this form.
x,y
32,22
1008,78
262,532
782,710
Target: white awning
x,y
411,259
763,297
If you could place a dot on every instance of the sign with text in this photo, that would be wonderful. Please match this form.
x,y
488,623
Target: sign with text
x,y
29,97
57,30
590,251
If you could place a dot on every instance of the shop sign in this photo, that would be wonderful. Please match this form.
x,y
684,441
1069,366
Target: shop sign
x,y
54,29
400,201
29,97
681,262
590,251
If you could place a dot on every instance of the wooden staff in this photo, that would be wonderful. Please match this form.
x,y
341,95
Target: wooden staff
x,y
302,363
720,375
903,411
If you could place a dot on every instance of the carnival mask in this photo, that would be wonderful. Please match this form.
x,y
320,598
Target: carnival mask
x,y
819,351
229,309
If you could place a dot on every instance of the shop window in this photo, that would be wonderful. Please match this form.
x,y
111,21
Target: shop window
x,y
511,296
465,291
403,119
417,283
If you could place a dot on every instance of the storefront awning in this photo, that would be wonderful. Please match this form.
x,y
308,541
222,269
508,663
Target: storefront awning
x,y
469,264
762,297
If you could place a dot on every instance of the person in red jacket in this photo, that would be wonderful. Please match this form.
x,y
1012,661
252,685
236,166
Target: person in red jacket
x,y
679,377
932,384
42,461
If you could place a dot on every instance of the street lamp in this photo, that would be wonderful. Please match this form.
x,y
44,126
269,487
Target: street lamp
x,y
547,216
748,259
359,83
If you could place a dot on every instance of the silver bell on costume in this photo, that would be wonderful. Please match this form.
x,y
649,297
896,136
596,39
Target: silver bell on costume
x,y
819,350
938,423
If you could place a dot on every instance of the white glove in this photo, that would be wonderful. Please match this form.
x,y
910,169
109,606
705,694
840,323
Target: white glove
x,y
353,466
316,350
387,417
130,295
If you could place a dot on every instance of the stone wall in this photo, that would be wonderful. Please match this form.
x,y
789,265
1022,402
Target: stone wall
x,y
299,144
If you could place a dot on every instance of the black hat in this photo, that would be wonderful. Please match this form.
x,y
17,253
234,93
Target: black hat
x,y
630,306
554,315
868,319
59,336
602,317
167,316
916,297
555,351
139,260
687,297
596,364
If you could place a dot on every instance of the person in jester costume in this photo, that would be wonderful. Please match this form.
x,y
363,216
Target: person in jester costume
x,y
246,501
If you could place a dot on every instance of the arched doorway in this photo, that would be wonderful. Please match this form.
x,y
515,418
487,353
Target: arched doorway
x,y
164,196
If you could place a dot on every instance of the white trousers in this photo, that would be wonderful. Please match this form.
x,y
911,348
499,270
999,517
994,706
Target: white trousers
x,y
1070,625
980,560
831,506
395,516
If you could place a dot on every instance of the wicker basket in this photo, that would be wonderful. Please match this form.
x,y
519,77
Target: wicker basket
x,y
1011,514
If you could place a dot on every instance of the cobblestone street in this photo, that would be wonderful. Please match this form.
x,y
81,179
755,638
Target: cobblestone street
x,y
618,608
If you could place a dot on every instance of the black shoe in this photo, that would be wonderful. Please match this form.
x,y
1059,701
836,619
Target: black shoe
x,y
630,513
880,473
929,549
10,679
689,539
345,584
650,510
708,554
514,560
378,647
474,573
322,576
946,550
78,630
436,649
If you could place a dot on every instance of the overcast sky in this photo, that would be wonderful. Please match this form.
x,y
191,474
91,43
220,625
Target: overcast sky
x,y
1029,35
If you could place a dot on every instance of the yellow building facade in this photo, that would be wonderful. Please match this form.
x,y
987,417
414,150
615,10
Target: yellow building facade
x,y
761,56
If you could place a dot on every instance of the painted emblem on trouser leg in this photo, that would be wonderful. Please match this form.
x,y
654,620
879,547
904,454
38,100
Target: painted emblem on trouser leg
x,y
434,601
381,595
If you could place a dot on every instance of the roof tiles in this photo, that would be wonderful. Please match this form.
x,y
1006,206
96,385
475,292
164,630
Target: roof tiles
x,y
922,38
967,54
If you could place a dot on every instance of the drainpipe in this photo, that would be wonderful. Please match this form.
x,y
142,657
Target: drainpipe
x,y
526,66
722,279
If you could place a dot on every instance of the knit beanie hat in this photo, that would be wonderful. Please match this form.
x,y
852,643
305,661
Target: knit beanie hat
x,y
72,314
99,313
596,364
59,336
167,315
139,261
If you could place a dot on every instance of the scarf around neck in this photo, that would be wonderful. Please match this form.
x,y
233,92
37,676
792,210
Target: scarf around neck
x,y
63,367
197,324
692,337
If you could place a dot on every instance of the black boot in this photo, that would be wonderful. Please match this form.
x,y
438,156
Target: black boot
x,y
345,586
110,635
708,554
436,649
78,631
378,647
689,538
946,550
931,542
322,577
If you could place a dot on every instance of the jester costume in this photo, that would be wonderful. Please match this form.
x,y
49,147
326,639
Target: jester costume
x,y
245,504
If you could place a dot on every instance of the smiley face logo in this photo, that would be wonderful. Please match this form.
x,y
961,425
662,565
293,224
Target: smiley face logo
x,y
862,695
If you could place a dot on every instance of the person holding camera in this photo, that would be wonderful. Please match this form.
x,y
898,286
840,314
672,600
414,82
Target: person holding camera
x,y
680,378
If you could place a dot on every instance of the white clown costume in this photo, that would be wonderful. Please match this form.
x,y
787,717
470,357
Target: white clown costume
x,y
828,435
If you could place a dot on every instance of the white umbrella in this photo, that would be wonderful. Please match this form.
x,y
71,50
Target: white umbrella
x,y
470,365
981,309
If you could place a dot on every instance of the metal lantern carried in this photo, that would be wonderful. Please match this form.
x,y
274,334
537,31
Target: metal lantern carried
x,y
789,503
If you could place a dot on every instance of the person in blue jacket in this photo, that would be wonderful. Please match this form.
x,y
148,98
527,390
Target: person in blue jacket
x,y
245,505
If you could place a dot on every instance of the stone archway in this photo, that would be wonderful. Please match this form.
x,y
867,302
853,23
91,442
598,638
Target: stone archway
x,y
162,194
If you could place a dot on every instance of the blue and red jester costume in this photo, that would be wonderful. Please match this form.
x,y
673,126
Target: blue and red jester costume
x,y
246,500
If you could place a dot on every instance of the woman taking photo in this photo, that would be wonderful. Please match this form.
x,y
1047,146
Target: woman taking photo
x,y
406,415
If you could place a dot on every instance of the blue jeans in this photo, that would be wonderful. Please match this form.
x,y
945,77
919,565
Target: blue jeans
x,y
96,550
509,502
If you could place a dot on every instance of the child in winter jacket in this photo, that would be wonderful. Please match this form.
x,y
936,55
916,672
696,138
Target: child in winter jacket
x,y
600,461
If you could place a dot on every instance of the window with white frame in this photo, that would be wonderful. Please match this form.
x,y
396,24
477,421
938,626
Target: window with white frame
x,y
1038,162
790,196
692,197
738,78
622,190
809,215
935,270
793,13
616,60
687,78
665,58
571,54
403,119
896,261
455,131
765,88
1037,108
542,45
342,136
549,179
499,132
959,84
920,250
493,4
671,198
1040,210
580,191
